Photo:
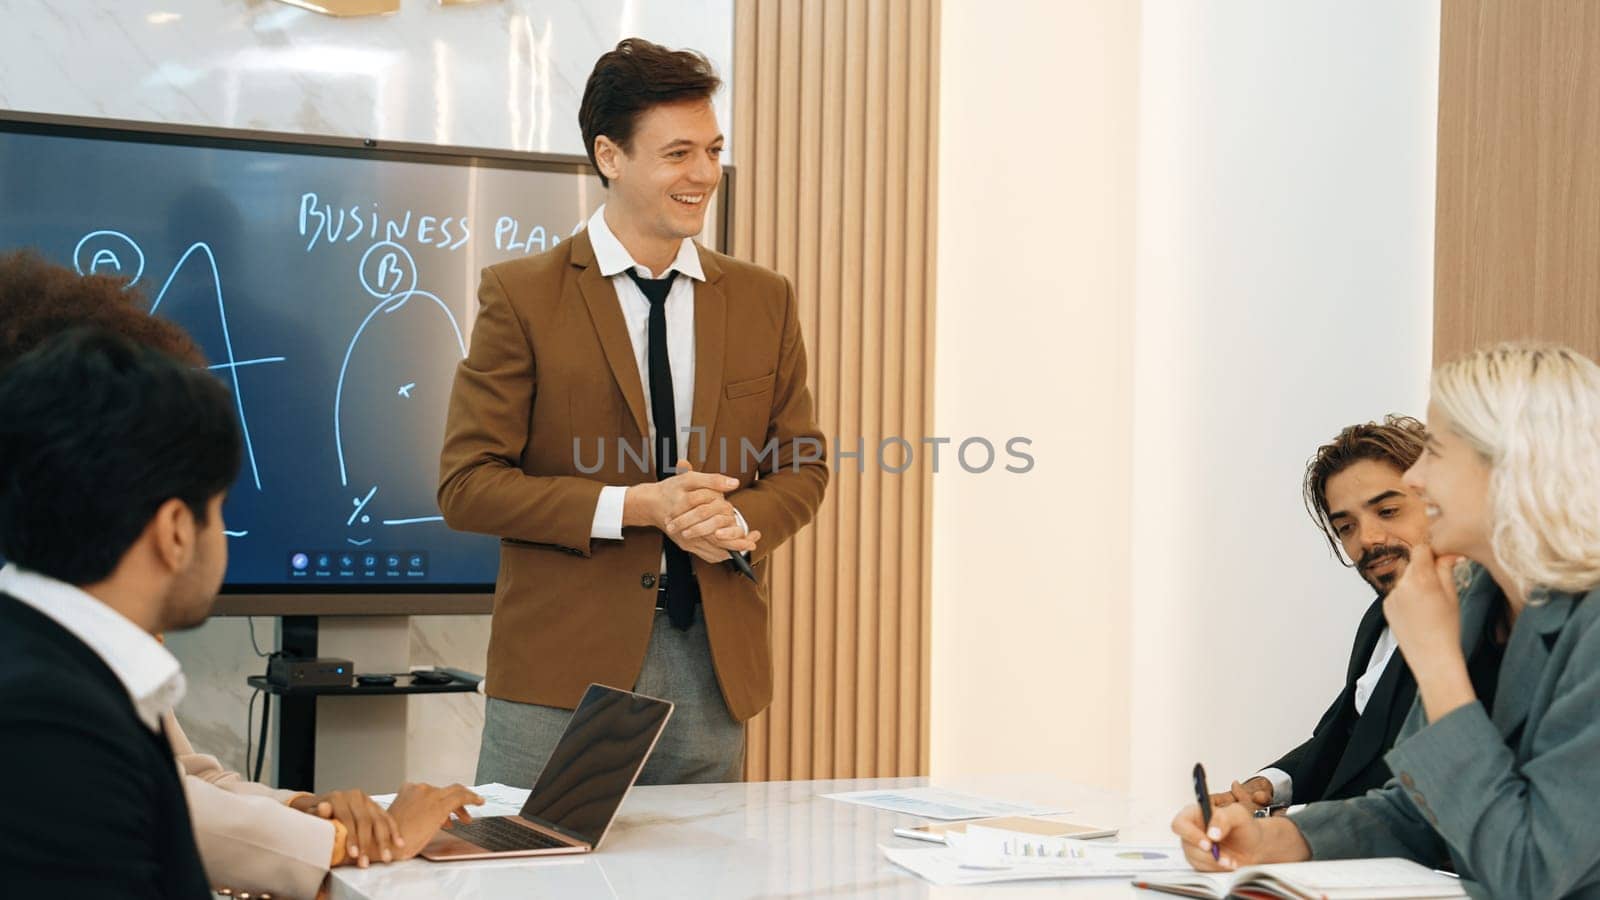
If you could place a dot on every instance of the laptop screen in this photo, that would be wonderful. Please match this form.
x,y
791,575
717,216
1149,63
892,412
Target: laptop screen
x,y
595,762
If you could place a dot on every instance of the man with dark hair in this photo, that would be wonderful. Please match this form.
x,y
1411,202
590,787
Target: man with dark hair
x,y
685,369
1353,491
114,459
251,837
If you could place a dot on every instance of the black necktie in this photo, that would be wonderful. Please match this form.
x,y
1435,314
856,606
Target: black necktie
x,y
682,590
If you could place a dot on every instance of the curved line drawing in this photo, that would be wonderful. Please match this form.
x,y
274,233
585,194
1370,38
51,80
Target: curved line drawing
x,y
235,533
227,342
392,303
96,261
415,521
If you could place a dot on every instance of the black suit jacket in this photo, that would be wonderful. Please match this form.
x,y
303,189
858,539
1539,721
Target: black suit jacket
x,y
94,807
1344,757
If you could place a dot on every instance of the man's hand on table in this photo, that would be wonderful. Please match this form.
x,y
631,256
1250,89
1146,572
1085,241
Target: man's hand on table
x,y
1252,794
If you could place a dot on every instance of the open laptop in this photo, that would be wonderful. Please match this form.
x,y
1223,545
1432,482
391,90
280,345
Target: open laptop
x,y
571,807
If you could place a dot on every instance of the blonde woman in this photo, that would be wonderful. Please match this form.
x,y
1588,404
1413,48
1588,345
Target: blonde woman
x,y
1497,770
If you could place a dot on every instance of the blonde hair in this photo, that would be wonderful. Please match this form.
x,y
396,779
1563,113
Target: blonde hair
x,y
1533,412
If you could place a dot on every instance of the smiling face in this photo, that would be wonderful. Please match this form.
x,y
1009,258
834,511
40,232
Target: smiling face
x,y
1376,519
1452,478
661,184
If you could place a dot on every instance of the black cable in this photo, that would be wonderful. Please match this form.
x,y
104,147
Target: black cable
x,y
249,714
261,748
249,719
252,621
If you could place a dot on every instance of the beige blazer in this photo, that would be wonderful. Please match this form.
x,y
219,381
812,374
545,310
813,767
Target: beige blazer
x,y
249,838
549,377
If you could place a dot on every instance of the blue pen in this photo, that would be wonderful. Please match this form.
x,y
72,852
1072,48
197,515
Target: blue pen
x,y
1202,794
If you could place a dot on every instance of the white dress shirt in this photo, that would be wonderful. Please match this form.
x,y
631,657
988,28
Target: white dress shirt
x,y
1282,782
615,261
147,670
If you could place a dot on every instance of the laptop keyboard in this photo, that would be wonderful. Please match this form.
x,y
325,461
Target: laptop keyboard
x,y
500,834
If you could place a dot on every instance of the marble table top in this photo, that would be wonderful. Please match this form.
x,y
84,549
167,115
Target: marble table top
x,y
762,840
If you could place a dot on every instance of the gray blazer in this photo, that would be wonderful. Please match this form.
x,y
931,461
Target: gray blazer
x,y
1513,800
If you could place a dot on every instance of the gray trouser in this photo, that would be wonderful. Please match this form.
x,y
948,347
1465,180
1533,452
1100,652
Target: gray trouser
x,y
701,744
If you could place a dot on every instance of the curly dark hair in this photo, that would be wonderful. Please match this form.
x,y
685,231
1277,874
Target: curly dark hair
x,y
1397,441
39,300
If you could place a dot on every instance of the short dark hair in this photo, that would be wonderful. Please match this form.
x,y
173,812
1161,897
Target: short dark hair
x,y
39,299
96,433
1397,440
631,79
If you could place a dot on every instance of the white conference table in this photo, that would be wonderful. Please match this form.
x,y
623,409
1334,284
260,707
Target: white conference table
x,y
757,840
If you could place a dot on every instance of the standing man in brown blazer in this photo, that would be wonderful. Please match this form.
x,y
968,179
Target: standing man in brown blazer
x,y
633,410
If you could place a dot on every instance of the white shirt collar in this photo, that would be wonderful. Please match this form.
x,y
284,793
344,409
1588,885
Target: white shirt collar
x,y
614,259
148,671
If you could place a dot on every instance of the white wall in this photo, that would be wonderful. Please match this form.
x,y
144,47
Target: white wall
x,y
1034,325
1277,286
505,74
1285,273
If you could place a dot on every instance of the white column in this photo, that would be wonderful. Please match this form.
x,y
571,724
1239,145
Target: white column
x,y
1285,276
361,741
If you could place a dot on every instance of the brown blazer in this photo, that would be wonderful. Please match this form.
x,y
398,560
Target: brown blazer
x,y
551,372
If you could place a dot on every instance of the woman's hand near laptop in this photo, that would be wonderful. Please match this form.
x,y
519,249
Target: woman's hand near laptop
x,y
374,834
369,829
422,809
1243,839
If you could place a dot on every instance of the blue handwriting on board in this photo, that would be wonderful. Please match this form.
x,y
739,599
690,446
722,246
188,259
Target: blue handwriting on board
x,y
106,243
325,223
388,272
322,222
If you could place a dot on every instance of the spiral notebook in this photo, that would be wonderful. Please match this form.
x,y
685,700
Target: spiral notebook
x,y
1340,879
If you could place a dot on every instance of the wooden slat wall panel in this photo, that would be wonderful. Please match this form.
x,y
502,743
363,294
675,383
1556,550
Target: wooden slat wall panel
x,y
835,149
1518,206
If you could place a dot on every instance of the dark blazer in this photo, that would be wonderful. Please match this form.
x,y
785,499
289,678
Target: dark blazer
x,y
1508,796
95,808
1344,756
551,371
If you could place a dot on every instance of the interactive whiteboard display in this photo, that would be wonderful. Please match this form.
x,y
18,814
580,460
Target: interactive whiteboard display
x,y
333,287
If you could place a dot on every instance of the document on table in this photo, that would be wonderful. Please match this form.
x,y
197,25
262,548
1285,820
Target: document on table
x,y
997,848
936,803
983,855
498,799
951,866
